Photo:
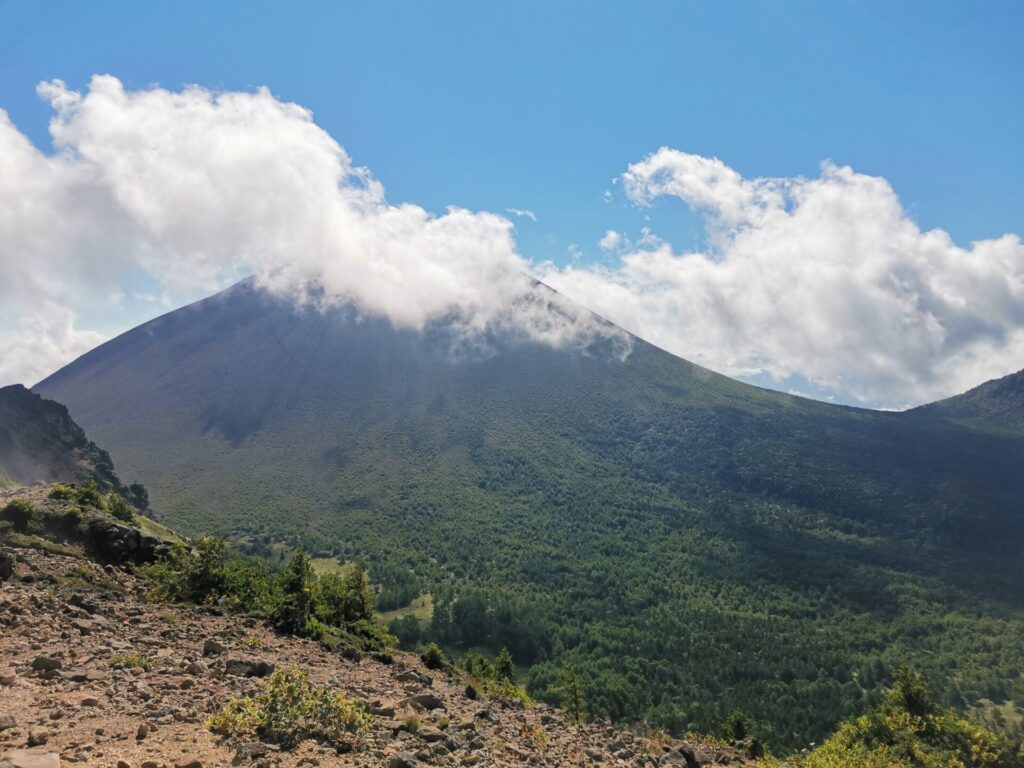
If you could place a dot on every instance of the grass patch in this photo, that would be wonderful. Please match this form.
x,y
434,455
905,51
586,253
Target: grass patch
x,y
7,483
153,528
422,608
322,565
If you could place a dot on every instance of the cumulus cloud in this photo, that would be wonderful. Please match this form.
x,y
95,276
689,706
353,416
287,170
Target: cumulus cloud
x,y
177,194
610,241
824,278
191,190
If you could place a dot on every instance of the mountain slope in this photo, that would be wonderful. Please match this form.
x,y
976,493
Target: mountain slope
x,y
690,543
39,442
996,405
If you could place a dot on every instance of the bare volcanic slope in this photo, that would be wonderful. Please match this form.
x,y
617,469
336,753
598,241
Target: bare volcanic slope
x,y
638,516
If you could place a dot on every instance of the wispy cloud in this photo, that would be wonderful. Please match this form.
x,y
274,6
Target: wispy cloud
x,y
522,213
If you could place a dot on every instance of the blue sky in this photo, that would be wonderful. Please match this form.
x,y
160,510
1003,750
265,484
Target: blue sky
x,y
541,105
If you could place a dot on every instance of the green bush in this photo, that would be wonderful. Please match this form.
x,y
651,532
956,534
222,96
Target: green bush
x,y
910,730
434,658
120,508
64,492
343,598
292,613
504,668
289,709
19,512
89,495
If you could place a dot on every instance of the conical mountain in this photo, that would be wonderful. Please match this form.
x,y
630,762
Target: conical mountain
x,y
640,516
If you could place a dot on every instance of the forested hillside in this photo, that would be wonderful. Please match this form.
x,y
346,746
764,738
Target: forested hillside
x,y
690,544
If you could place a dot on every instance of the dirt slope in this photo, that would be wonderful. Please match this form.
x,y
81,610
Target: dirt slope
x,y
66,622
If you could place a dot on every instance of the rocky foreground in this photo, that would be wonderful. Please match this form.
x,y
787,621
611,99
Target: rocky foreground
x,y
92,672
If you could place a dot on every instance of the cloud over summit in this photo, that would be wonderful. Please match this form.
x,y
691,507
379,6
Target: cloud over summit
x,y
192,190
152,198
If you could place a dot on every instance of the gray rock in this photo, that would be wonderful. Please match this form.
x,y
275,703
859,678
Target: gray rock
x,y
7,721
37,736
424,701
246,668
250,751
403,760
213,648
43,663
430,734
7,564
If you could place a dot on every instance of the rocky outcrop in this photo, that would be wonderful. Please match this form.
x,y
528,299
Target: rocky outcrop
x,y
93,531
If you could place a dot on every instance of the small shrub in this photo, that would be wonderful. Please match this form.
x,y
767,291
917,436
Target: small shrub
x,y
20,513
64,492
412,723
120,508
504,668
736,726
288,709
536,736
89,495
434,658
127,660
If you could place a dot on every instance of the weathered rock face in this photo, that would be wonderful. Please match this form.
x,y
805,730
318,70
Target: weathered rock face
x,y
98,675
121,544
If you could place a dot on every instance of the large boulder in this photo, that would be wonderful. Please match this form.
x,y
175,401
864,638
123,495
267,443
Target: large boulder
x,y
30,758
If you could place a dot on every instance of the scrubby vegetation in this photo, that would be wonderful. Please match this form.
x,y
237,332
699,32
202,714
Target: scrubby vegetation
x,y
70,519
497,678
910,730
288,709
334,608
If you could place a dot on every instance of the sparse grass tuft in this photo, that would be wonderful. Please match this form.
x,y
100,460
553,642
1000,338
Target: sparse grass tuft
x,y
130,660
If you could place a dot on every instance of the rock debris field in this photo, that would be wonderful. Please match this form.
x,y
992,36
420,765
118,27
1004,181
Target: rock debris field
x,y
93,673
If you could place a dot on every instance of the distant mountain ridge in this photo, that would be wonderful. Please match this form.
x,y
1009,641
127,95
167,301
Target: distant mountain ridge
x,y
643,518
996,405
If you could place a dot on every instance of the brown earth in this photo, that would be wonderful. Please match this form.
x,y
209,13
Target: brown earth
x,y
64,621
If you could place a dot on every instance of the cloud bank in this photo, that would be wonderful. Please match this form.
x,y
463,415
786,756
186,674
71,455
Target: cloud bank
x,y
152,198
187,192
823,278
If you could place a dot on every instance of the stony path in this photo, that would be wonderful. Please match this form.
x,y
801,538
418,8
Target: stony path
x,y
65,623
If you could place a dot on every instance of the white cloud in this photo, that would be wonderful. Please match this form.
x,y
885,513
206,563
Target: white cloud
x,y
154,198
522,213
824,278
610,241
189,191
